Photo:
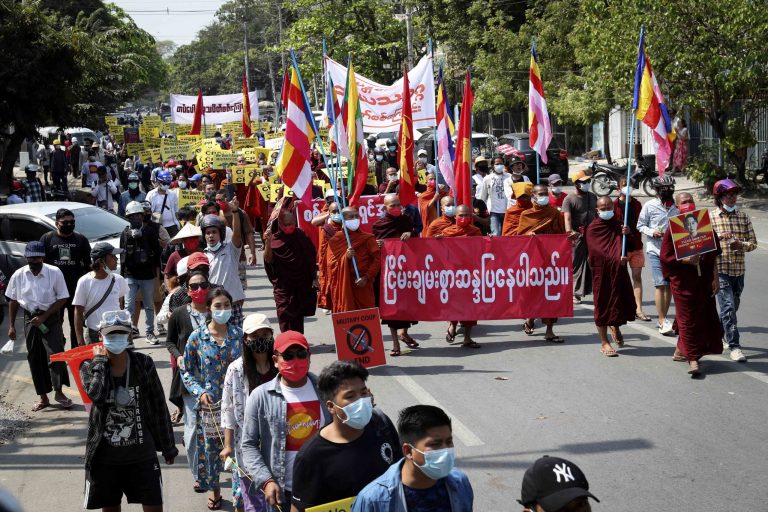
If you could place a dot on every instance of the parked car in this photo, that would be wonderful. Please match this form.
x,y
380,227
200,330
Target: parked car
x,y
22,223
49,134
557,158
482,144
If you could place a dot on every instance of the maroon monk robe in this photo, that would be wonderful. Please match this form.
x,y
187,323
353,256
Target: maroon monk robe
x,y
292,273
391,227
614,298
700,332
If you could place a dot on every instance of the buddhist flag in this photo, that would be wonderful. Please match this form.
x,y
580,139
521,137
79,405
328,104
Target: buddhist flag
x,y
336,132
405,147
538,116
197,121
293,164
649,107
285,89
462,168
246,110
445,152
357,169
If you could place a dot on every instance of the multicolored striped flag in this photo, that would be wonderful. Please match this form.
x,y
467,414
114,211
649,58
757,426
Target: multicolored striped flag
x,y
293,164
337,132
357,167
538,116
649,107
246,110
405,147
445,129
462,167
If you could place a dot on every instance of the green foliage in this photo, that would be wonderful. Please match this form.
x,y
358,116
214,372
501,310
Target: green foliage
x,y
703,169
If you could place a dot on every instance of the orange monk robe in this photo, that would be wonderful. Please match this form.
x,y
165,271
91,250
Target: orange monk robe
x,y
428,211
545,220
345,294
326,231
438,225
512,218
456,230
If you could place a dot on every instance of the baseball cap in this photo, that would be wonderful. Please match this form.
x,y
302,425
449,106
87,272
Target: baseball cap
x,y
35,249
554,178
196,177
288,339
422,152
101,249
581,176
254,322
196,259
553,482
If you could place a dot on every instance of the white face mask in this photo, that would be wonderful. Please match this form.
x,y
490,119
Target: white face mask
x,y
379,158
557,190
627,191
392,178
423,159
542,200
498,169
353,225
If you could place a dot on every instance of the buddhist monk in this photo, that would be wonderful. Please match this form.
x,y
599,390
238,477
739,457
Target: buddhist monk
x,y
290,262
395,224
446,219
428,200
327,231
542,219
348,291
695,283
522,191
614,298
463,227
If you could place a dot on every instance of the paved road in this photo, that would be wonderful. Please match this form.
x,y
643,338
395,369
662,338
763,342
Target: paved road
x,y
647,436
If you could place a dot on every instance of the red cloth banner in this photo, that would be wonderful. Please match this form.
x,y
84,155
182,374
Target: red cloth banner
x,y
476,278
370,208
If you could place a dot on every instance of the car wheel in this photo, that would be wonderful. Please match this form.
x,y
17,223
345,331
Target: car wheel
x,y
601,184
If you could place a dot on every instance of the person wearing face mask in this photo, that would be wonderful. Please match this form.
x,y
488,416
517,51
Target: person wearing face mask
x,y
70,252
735,229
391,183
90,168
219,341
327,231
390,156
133,193
348,291
291,265
378,165
635,253
280,416
164,204
653,222
614,299
517,168
695,282
556,194
492,194
187,241
579,210
428,199
481,171
426,477
103,190
522,192
40,291
360,437
423,159
445,220
254,368
98,291
541,219
128,424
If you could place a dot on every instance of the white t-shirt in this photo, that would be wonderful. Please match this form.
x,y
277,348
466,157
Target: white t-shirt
x,y
89,292
303,420
493,185
168,215
225,269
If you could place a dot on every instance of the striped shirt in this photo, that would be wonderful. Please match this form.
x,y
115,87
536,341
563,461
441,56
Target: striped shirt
x,y
731,261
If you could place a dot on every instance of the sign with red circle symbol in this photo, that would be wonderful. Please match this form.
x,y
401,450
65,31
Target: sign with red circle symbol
x,y
358,337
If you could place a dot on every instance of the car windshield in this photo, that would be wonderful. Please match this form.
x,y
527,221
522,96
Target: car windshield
x,y
96,224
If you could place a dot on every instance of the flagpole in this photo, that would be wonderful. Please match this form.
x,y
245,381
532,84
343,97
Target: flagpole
x,y
627,197
538,170
434,137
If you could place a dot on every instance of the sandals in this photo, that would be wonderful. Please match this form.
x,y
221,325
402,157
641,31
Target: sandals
x,y
450,336
40,405
678,357
65,402
528,327
394,352
214,504
196,487
176,417
642,316
609,352
471,344
618,338
412,343
555,339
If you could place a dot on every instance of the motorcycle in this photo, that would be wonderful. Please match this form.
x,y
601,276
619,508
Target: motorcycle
x,y
605,178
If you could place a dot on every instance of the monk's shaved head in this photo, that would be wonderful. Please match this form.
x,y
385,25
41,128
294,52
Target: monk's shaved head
x,y
540,190
350,212
463,210
604,203
389,199
333,207
682,198
287,218
446,201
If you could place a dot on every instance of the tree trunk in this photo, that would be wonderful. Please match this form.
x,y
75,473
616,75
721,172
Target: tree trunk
x,y
606,137
9,160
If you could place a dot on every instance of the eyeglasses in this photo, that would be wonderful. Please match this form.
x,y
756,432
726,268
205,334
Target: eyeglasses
x,y
196,286
114,317
288,356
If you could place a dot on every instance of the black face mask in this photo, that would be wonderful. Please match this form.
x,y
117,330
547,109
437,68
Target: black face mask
x,y
666,194
67,228
36,267
136,223
483,169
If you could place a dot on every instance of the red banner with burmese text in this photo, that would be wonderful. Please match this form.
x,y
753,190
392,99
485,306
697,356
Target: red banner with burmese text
x,y
476,278
370,208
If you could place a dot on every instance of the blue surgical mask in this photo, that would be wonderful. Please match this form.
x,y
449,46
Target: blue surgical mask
x,y
353,224
358,413
437,463
498,168
182,184
115,343
542,200
133,185
379,158
557,190
163,187
214,248
584,187
336,217
627,191
449,211
606,215
221,316
729,209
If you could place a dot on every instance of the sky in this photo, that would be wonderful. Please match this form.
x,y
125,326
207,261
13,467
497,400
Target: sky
x,y
180,26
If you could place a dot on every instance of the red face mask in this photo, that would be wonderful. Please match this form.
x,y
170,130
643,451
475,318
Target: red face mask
x,y
295,369
191,244
687,207
463,221
395,212
199,295
288,230
431,183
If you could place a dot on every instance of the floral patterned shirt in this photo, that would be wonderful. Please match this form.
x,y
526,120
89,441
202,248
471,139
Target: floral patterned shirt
x,y
206,362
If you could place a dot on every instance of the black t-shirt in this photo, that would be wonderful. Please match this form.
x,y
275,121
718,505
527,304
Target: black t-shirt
x,y
141,258
434,499
72,254
325,472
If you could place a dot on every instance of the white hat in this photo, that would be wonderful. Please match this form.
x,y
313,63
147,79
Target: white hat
x,y
329,193
133,207
422,152
181,266
188,231
254,322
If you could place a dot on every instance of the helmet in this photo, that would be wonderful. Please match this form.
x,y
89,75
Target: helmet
x,y
31,168
212,221
371,141
16,185
164,176
74,140
663,181
391,142
378,151
722,187
57,142
171,163
133,177
134,207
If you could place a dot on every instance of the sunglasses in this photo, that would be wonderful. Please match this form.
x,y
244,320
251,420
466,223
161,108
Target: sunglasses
x,y
288,356
196,286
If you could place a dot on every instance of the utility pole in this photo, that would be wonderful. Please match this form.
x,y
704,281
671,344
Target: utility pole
x,y
271,73
409,33
245,48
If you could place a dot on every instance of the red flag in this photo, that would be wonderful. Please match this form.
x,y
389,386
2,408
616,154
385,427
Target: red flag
x,y
286,88
246,110
405,148
198,120
462,167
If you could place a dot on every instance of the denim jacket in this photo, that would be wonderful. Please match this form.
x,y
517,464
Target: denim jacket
x,y
385,494
265,432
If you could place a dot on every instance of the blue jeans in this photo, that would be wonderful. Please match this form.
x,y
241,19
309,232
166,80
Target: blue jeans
x,y
729,298
497,222
147,287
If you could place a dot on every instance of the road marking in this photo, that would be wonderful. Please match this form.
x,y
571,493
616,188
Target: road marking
x,y
460,430
654,333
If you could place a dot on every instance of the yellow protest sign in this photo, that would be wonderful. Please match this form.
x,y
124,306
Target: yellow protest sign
x,y
274,190
265,190
337,506
188,137
153,121
189,197
322,184
133,148
146,132
252,154
145,156
180,150
244,173
118,135
276,135
422,176
110,120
